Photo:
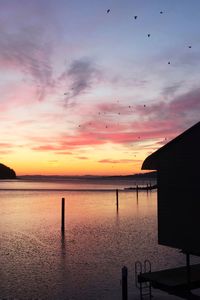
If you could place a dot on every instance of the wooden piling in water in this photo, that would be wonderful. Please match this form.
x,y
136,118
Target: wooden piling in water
x,y
124,283
63,215
137,191
117,199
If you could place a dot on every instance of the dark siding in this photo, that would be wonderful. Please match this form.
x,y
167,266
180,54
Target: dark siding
x,y
178,168
179,206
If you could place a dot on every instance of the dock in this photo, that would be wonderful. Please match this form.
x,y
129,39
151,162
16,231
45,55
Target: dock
x,y
147,187
174,281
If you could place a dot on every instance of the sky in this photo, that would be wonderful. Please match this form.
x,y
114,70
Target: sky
x,y
93,87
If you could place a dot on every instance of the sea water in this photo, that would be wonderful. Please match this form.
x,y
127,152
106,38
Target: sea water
x,y
37,261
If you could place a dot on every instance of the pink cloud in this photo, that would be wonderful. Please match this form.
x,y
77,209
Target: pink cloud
x,y
6,148
156,121
181,106
85,138
63,152
116,161
46,148
5,152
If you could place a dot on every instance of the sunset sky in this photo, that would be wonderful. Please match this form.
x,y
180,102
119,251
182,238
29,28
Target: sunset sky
x,y
86,91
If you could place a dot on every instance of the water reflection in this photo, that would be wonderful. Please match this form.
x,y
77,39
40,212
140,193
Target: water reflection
x,y
85,261
63,243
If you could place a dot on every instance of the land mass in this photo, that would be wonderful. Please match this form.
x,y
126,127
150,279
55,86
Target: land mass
x,y
6,172
149,175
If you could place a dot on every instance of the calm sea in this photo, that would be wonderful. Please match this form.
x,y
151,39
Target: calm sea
x,y
38,262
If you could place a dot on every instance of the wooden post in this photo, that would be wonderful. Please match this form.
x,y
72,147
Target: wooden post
x,y
63,215
117,199
137,191
124,283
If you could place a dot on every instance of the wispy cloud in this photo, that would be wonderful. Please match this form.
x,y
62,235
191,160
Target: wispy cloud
x,y
171,90
185,106
24,50
116,161
63,152
82,74
6,148
156,122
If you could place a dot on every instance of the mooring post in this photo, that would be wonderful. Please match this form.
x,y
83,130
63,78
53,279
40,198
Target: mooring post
x,y
124,283
117,199
137,191
63,215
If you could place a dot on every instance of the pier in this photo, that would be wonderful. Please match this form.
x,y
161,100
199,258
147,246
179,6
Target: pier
x,y
174,281
147,187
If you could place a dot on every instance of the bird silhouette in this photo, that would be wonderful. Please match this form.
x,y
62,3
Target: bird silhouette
x,y
190,47
108,10
169,62
148,35
161,12
135,17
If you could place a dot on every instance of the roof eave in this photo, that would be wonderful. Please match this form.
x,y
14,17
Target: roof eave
x,y
150,163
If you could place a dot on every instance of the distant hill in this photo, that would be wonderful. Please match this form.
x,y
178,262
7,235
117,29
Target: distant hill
x,y
6,172
149,175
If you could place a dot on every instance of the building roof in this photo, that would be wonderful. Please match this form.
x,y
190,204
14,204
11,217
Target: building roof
x,y
188,140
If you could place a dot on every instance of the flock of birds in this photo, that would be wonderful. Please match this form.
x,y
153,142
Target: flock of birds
x,y
148,35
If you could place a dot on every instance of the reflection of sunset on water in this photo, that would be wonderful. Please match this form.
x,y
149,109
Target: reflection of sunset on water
x,y
85,262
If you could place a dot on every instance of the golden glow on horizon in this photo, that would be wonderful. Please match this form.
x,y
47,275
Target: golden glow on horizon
x,y
103,160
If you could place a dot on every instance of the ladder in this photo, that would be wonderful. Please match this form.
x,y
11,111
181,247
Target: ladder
x,y
143,286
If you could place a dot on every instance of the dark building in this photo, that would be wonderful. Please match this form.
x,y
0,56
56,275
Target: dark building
x,y
178,174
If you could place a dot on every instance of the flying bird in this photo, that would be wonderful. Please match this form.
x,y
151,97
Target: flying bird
x,y
161,12
190,47
169,62
108,10
148,35
135,17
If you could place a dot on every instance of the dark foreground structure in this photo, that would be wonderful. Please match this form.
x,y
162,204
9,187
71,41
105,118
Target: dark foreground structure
x,y
6,172
178,166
